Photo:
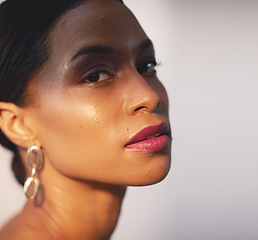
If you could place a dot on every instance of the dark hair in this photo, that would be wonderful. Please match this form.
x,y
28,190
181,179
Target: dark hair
x,y
24,26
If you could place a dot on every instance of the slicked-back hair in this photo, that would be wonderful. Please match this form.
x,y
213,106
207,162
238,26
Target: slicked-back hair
x,y
24,26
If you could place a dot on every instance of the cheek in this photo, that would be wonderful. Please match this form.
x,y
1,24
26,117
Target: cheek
x,y
83,137
73,136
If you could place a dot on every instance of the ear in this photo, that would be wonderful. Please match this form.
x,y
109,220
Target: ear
x,y
13,125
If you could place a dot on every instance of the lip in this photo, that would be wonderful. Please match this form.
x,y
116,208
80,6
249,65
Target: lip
x,y
150,139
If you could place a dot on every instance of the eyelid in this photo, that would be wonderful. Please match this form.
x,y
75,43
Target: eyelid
x,y
96,70
144,63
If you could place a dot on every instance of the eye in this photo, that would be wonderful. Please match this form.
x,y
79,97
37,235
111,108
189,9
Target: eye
x,y
147,67
97,76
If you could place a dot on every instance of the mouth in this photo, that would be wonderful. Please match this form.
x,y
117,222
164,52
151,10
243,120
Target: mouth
x,y
150,139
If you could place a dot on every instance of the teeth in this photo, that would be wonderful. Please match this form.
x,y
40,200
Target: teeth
x,y
151,137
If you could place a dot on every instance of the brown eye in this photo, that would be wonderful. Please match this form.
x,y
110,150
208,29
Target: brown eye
x,y
94,77
147,67
97,76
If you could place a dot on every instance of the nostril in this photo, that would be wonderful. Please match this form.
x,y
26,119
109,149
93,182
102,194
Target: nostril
x,y
151,107
139,108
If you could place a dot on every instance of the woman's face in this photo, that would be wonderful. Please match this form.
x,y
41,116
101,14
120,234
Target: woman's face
x,y
95,92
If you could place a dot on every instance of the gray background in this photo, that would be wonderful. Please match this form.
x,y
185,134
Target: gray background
x,y
208,52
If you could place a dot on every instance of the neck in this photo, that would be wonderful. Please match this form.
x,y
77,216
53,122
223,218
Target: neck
x,y
73,209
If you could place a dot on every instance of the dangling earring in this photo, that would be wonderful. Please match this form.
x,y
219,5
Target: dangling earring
x,y
35,163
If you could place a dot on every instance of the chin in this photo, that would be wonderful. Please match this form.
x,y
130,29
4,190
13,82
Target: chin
x,y
154,174
153,178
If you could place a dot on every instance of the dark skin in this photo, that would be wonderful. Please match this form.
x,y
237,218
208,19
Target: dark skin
x,y
100,88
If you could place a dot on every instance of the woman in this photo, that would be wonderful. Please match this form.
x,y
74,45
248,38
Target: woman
x,y
83,111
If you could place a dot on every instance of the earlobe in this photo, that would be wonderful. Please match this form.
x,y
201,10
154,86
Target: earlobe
x,y
13,125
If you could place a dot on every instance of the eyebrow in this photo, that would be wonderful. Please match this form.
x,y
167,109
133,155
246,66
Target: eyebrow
x,y
93,49
106,49
145,44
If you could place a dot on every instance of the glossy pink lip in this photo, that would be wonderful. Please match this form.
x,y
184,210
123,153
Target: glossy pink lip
x,y
150,139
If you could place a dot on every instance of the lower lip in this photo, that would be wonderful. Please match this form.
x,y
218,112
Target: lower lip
x,y
151,145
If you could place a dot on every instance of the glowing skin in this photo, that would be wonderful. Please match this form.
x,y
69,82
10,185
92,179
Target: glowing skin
x,y
84,127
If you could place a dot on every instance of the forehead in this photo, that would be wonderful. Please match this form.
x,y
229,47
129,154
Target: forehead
x,y
95,22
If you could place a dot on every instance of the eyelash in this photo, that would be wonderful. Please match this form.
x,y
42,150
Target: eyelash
x,y
147,67
97,72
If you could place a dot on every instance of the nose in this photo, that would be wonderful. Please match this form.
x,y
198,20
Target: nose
x,y
140,96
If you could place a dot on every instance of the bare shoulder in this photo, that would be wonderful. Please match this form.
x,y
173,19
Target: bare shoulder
x,y
15,229
7,231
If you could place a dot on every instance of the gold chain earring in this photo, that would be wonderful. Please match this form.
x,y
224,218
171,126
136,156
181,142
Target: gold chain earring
x,y
34,161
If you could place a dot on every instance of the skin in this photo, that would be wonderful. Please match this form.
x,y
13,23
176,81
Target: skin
x,y
83,127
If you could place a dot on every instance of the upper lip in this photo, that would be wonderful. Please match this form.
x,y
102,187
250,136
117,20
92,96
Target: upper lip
x,y
150,131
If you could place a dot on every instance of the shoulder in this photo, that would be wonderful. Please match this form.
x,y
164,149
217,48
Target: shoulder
x,y
7,231
15,229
